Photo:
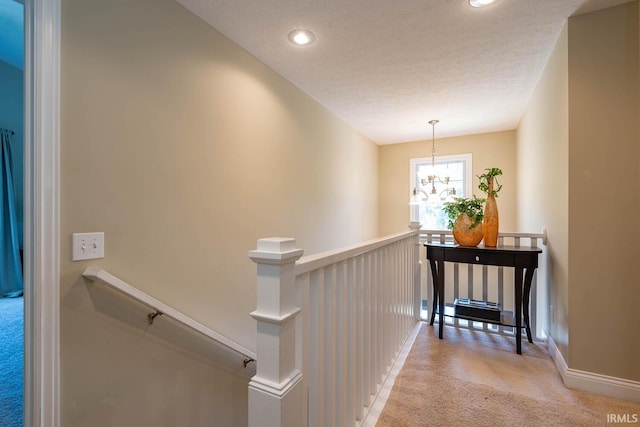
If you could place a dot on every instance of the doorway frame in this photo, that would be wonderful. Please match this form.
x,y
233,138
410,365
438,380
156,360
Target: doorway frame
x,y
41,212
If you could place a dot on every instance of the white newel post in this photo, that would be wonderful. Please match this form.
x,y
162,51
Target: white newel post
x,y
417,274
275,392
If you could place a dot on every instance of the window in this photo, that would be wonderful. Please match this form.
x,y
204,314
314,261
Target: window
x,y
429,212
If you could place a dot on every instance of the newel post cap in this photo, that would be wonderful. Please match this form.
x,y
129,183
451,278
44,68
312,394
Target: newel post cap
x,y
276,250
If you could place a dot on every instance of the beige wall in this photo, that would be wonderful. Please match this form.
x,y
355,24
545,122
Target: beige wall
x,y
604,192
581,128
543,139
185,150
489,150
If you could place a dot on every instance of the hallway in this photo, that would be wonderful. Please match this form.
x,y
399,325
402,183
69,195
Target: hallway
x,y
476,378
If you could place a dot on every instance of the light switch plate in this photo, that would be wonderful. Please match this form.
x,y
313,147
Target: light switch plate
x,y
87,246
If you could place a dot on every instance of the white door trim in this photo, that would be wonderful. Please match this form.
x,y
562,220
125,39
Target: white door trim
x,y
41,212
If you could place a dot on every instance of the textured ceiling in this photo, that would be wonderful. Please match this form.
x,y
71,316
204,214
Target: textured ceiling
x,y
388,67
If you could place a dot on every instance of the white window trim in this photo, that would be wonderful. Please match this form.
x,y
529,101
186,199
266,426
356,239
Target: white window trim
x,y
467,157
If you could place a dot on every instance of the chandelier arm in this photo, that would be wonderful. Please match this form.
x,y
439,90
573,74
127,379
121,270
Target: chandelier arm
x,y
448,191
420,190
442,181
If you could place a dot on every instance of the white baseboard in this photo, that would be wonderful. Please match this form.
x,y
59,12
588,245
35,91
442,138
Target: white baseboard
x,y
557,358
377,404
618,388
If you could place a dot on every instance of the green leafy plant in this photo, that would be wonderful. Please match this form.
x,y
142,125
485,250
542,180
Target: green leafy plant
x,y
473,207
486,177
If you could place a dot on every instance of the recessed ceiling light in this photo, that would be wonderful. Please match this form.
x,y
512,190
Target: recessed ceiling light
x,y
301,37
481,3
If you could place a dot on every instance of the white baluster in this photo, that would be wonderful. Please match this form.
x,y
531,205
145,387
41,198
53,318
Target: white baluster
x,y
342,359
352,300
329,366
359,338
456,287
501,292
379,319
303,333
316,391
369,332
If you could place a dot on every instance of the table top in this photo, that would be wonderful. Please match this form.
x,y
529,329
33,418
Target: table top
x,y
502,248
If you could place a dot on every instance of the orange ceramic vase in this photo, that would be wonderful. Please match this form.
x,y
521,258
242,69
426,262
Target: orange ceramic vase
x,y
464,234
491,221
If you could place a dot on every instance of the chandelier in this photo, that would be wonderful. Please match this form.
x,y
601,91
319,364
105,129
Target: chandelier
x,y
432,186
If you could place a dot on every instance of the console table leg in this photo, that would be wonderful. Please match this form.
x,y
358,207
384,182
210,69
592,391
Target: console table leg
x,y
440,296
518,309
528,278
434,276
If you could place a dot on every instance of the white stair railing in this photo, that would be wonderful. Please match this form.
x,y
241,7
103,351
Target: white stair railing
x,y
329,328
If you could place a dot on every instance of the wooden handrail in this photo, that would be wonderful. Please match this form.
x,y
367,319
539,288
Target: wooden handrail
x,y
158,308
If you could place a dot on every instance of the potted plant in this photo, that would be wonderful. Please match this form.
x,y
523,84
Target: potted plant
x,y
489,183
465,219
490,186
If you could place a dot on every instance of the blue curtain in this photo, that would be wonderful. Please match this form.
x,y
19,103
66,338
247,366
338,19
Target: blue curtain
x,y
10,262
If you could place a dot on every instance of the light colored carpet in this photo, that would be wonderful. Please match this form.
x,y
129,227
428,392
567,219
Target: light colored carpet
x,y
11,361
472,378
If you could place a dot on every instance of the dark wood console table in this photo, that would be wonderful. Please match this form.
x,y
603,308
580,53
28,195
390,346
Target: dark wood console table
x,y
523,259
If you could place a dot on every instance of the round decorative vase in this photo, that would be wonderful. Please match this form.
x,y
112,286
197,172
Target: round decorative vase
x,y
491,221
464,234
